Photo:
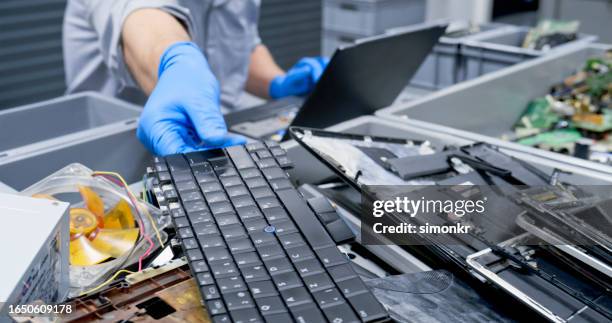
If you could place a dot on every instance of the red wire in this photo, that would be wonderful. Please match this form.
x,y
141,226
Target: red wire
x,y
139,219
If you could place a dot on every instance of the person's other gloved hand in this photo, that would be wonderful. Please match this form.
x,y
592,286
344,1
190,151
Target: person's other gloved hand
x,y
300,79
183,112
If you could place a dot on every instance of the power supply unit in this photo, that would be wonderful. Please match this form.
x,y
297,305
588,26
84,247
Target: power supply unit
x,y
34,238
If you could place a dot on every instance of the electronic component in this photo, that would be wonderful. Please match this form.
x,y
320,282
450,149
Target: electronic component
x,y
253,242
34,247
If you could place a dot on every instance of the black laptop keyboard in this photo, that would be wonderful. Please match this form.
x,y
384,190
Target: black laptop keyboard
x,y
257,250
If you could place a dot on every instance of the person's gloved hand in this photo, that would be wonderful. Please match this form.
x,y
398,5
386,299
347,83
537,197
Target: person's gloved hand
x,y
183,112
300,79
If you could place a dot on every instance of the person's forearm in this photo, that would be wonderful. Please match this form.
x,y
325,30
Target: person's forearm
x,y
145,36
262,70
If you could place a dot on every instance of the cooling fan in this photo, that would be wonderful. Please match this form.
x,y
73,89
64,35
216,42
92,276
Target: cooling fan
x,y
97,234
106,224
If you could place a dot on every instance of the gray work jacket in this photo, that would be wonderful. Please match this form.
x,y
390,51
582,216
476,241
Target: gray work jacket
x,y
226,31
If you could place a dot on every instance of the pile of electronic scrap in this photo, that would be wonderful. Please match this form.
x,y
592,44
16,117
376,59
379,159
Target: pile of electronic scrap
x,y
575,117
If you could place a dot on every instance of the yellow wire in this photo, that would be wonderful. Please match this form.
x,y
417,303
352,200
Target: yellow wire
x,y
127,188
108,281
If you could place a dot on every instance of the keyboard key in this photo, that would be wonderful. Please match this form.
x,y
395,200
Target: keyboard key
x,y
196,158
254,146
278,266
305,219
210,241
210,187
286,281
164,177
199,266
201,169
210,292
367,307
182,176
292,240
177,213
231,181
221,162
284,227
215,307
249,212
268,202
262,288
200,217
277,152
265,163
240,246
270,251
262,238
341,272
247,259
242,201
185,233
328,297
231,285
186,186
352,286
205,178
194,254
280,184
221,207
284,162
254,273
217,254
237,190
227,219
177,163
273,144
275,214
195,206
205,229
238,300
296,296
256,182
254,224
317,282
190,243
307,313
240,157
309,267
227,172
205,278
279,317
273,173
234,231
213,197
264,154
331,256
270,305
250,173
300,253
340,313
221,319
190,196
181,222
224,269
261,192
247,315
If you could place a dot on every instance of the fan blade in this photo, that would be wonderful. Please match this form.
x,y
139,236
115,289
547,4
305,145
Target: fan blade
x,y
120,217
83,253
115,242
94,203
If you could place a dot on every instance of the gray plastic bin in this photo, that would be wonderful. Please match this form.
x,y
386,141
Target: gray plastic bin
x,y
309,170
36,125
371,17
445,65
490,52
485,108
89,128
332,39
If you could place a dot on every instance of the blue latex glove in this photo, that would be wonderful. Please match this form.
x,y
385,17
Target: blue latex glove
x,y
183,112
300,79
